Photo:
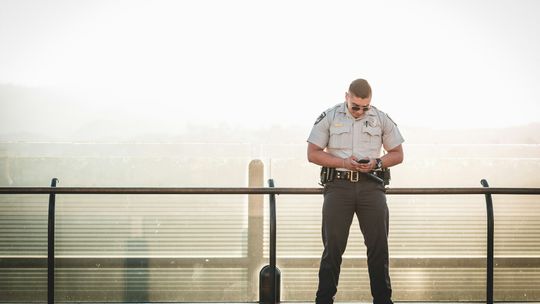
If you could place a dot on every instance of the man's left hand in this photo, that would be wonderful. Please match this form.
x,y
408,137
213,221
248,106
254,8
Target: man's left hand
x,y
367,167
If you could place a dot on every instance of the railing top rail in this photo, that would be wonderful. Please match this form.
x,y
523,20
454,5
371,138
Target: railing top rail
x,y
248,190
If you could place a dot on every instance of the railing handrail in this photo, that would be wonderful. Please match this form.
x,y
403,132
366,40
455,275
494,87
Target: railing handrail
x,y
256,190
53,190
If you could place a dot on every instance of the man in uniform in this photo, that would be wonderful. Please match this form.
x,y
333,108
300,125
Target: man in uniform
x,y
342,137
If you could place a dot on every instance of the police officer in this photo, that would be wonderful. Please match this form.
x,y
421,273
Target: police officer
x,y
341,136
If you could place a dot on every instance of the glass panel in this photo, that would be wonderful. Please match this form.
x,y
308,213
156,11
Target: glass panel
x,y
438,231
517,247
152,248
23,225
23,248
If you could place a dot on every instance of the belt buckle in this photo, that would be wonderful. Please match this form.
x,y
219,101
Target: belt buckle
x,y
354,177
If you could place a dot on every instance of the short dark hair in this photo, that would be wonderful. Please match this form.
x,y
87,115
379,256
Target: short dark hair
x,y
360,88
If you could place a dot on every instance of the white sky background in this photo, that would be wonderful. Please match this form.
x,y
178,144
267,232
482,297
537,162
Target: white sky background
x,y
442,64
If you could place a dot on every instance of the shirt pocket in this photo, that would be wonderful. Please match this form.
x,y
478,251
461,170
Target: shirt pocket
x,y
340,137
371,135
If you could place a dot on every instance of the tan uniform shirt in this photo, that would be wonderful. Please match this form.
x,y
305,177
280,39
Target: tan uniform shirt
x,y
343,135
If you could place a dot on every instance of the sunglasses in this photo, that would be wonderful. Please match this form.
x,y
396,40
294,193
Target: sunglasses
x,y
356,107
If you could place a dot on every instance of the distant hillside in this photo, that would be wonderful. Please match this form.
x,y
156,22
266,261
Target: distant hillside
x,y
36,114
107,131
526,134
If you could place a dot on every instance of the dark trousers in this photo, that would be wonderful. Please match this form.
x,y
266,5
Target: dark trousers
x,y
343,199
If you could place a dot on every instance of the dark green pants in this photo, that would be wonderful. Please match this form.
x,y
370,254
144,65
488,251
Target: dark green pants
x,y
342,200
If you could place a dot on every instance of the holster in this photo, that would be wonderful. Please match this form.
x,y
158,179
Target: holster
x,y
384,174
327,175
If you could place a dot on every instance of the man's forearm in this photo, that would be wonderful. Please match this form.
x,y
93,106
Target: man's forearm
x,y
392,158
325,159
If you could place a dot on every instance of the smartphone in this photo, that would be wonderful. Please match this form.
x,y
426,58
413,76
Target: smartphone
x,y
363,161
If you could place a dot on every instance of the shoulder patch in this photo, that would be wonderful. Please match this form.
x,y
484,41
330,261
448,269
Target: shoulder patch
x,y
320,118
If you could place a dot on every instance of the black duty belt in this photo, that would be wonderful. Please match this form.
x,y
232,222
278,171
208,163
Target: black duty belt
x,y
329,174
352,176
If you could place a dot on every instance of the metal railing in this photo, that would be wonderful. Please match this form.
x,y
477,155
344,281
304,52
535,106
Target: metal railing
x,y
273,297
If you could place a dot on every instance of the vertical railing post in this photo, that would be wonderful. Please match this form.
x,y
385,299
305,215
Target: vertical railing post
x,y
273,275
490,244
50,244
270,276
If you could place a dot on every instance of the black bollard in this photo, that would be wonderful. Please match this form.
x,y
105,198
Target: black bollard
x,y
270,276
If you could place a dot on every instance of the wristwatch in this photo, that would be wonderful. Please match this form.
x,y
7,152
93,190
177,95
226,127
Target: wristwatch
x,y
378,165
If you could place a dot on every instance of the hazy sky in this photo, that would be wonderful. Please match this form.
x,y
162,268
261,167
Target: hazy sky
x,y
431,63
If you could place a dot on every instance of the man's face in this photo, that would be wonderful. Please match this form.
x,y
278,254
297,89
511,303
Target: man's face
x,y
357,106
